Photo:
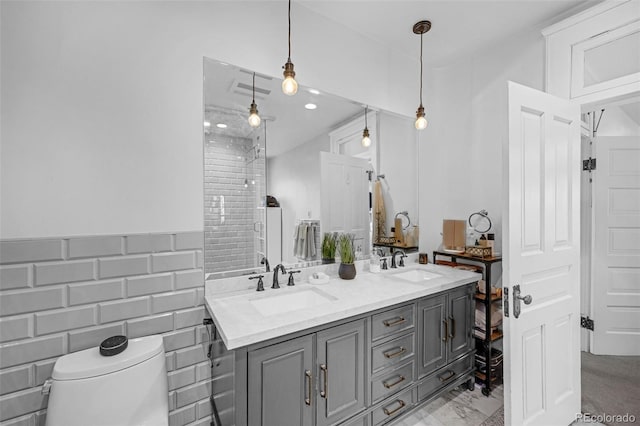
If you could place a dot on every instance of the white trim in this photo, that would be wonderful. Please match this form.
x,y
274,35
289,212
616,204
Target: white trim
x,y
582,16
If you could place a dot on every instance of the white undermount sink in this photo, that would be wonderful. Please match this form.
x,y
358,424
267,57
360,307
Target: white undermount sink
x,y
291,301
417,275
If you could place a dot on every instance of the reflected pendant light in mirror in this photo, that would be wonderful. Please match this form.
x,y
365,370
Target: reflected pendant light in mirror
x,y
366,140
289,85
421,28
254,118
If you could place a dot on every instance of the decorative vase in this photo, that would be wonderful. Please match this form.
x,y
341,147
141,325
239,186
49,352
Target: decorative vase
x,y
347,271
328,260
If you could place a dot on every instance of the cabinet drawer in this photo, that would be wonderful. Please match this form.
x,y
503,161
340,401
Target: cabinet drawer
x,y
393,408
392,352
392,321
446,374
392,381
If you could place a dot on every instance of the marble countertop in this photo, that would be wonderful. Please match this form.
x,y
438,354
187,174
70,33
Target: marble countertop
x,y
244,317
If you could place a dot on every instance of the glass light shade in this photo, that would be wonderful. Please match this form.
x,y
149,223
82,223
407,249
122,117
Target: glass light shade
x,y
254,118
421,123
289,86
366,140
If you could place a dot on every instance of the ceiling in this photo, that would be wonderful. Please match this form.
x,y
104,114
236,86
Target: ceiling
x,y
458,27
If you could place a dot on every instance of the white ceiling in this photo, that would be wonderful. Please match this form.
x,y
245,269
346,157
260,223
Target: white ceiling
x,y
458,27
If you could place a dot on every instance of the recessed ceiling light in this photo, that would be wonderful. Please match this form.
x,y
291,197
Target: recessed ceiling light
x,y
311,106
221,125
207,124
314,91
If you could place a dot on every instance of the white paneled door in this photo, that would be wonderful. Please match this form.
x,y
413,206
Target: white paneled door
x,y
345,197
616,246
542,259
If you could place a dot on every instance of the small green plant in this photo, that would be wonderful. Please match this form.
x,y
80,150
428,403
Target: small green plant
x,y
329,245
345,248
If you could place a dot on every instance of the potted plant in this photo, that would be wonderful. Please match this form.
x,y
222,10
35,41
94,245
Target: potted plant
x,y
329,247
347,270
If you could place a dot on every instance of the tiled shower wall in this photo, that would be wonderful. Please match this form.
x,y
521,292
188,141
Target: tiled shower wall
x,y
230,208
61,295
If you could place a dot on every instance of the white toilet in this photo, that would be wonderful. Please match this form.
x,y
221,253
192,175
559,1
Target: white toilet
x,y
126,389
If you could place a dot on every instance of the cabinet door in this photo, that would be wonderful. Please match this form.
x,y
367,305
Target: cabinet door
x,y
432,334
460,317
341,372
280,391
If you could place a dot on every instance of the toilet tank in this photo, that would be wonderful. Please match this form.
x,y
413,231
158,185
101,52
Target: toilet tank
x,y
126,389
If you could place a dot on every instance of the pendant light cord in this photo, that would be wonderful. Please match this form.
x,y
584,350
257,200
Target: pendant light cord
x,y
421,68
254,87
289,57
366,109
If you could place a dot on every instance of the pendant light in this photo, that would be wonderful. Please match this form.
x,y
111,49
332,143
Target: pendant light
x,y
289,85
254,118
366,140
421,28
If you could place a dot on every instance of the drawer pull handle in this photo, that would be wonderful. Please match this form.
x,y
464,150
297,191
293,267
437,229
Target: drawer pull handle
x,y
449,376
307,378
392,412
399,352
325,373
394,321
446,330
389,385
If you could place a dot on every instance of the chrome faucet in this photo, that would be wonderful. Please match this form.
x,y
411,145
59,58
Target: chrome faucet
x,y
264,261
393,258
279,267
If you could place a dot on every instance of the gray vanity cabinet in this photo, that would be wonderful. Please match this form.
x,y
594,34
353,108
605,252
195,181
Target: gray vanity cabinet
x,y
444,328
280,384
341,372
288,382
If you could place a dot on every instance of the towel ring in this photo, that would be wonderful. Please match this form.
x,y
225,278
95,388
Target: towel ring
x,y
405,214
482,223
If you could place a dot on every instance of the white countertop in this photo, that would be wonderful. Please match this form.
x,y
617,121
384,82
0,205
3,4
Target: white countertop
x,y
238,317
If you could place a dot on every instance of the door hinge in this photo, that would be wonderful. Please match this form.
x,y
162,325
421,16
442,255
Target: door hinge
x,y
589,164
586,322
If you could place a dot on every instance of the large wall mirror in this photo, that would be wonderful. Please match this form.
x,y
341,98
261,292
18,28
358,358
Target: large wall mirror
x,y
271,191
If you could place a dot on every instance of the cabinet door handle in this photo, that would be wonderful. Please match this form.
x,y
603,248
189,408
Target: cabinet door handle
x,y
453,327
399,352
450,375
392,412
325,372
446,330
308,379
389,385
394,321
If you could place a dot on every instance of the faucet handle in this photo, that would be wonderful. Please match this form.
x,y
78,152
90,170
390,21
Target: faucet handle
x,y
401,264
291,277
260,283
384,263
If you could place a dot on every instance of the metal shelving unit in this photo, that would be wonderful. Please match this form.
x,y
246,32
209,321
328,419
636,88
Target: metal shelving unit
x,y
485,350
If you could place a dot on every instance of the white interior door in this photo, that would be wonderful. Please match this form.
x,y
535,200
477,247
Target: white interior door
x,y
616,246
345,197
541,231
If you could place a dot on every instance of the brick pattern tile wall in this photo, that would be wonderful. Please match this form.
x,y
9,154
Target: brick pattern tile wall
x,y
230,207
61,295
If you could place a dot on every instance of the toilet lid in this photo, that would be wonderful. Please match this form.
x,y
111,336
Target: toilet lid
x,y
89,362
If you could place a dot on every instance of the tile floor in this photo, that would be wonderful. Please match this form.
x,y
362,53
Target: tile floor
x,y
462,408
457,408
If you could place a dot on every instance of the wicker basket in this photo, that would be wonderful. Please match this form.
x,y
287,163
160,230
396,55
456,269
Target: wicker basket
x,y
478,251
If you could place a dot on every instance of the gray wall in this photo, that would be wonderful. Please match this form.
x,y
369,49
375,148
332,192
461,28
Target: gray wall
x,y
60,295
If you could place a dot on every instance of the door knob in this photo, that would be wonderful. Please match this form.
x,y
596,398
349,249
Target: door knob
x,y
517,298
